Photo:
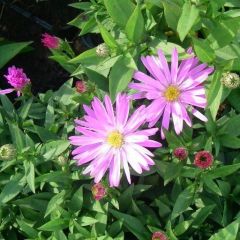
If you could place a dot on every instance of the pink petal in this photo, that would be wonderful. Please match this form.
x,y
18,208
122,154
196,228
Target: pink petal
x,y
164,66
177,117
166,119
125,165
122,110
6,91
199,115
150,143
174,66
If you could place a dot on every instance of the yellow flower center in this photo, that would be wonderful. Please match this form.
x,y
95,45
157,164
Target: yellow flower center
x,y
172,93
115,139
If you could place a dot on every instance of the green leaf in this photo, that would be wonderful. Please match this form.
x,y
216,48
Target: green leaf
x,y
53,149
187,19
107,37
203,50
54,203
8,51
12,189
216,94
222,171
88,57
183,201
119,78
24,110
125,199
17,135
182,227
77,200
232,126
29,230
54,225
98,79
135,28
172,12
30,174
230,141
229,232
201,214
133,224
7,104
120,11
212,186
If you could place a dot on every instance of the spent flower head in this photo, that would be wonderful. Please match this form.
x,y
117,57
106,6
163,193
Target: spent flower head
x,y
111,140
203,159
171,88
7,152
17,79
50,41
230,80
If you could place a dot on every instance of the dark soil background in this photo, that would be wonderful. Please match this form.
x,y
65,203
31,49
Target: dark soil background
x,y
43,72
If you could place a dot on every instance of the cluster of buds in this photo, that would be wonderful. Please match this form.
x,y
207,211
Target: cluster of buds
x,y
230,80
7,152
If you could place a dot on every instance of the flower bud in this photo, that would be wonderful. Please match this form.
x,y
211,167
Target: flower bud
x,y
81,86
230,80
7,152
62,160
98,191
102,50
159,236
180,153
203,159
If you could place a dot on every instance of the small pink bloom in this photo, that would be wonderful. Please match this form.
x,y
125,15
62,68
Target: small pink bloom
x,y
173,89
81,86
181,153
159,236
98,191
50,41
203,159
17,79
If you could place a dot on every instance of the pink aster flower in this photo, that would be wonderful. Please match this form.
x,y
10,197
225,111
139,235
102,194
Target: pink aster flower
x,y
172,89
203,159
111,140
50,41
17,79
98,191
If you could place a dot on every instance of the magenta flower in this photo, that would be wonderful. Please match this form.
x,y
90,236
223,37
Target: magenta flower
x,y
50,41
17,79
172,89
110,139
